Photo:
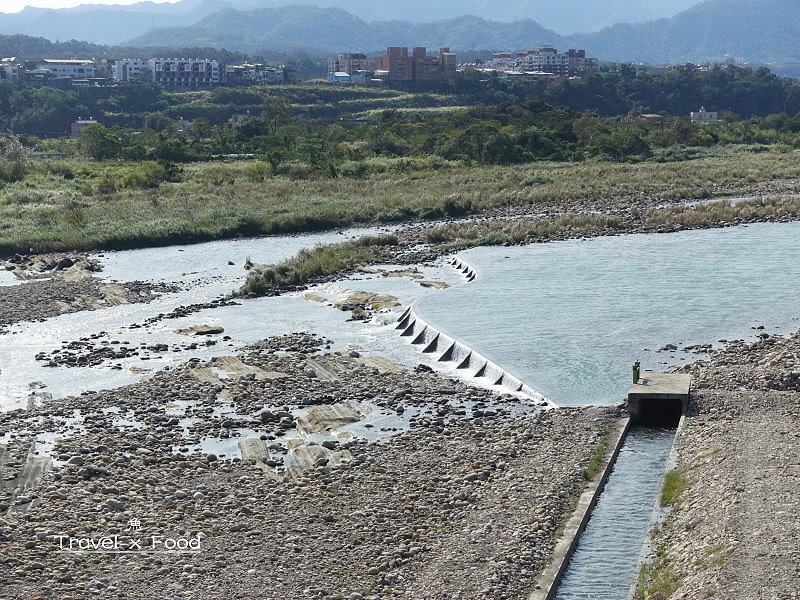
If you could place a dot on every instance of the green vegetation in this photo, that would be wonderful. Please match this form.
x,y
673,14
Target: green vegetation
x,y
675,483
167,167
657,580
520,231
596,461
81,204
324,259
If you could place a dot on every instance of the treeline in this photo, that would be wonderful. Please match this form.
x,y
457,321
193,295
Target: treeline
x,y
394,140
619,89
322,130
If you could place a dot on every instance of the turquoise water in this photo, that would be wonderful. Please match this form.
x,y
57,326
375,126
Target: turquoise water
x,y
569,318
604,562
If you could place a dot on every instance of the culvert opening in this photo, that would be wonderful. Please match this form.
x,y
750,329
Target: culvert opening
x,y
659,413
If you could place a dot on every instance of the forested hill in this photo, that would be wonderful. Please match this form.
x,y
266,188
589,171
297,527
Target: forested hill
x,y
327,30
115,24
765,31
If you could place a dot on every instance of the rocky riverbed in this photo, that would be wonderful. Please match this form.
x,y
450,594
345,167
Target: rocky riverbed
x,y
734,532
453,491
55,284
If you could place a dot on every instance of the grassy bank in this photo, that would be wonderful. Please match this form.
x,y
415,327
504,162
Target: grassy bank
x,y
497,232
84,205
333,259
322,260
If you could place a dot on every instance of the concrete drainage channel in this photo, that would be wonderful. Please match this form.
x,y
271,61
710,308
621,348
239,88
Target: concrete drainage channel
x,y
602,549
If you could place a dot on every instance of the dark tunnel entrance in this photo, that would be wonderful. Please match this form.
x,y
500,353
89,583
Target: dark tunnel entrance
x,y
658,412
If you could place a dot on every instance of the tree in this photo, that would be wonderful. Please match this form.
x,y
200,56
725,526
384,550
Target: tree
x,y
100,142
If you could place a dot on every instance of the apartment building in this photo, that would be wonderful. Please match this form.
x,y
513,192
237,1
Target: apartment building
x,y
129,69
68,69
545,59
185,72
255,74
416,66
348,62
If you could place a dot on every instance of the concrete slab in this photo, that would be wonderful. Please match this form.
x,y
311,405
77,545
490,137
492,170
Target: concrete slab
x,y
661,386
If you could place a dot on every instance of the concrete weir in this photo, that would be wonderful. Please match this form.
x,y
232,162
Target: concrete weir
x,y
447,349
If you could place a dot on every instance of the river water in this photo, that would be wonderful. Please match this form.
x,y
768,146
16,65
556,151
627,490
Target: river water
x,y
569,318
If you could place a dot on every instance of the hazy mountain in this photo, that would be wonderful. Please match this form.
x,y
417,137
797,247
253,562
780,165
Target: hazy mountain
x,y
334,30
104,24
578,15
112,24
764,31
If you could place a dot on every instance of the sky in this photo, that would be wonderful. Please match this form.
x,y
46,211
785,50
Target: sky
x,y
9,6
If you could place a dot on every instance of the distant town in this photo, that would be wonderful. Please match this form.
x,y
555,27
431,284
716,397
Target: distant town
x,y
397,64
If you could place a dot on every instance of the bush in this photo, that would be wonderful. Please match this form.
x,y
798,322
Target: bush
x,y
295,169
15,159
257,171
60,169
321,260
150,174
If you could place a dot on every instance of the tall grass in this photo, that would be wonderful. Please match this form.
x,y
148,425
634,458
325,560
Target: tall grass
x,y
245,198
715,214
320,261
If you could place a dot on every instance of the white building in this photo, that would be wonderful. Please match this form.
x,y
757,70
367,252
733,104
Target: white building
x,y
703,116
68,69
128,69
185,72
257,74
9,68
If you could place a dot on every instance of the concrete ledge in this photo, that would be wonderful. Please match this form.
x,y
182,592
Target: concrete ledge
x,y
548,581
661,386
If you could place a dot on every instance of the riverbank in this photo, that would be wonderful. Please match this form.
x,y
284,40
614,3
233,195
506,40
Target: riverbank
x,y
733,530
58,214
467,501
425,243
56,284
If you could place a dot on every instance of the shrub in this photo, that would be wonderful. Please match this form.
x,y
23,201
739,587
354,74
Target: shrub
x,y
60,169
15,159
324,259
257,171
295,169
151,174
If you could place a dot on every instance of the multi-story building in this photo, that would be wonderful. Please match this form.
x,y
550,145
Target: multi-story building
x,y
185,72
418,66
68,69
348,62
9,68
545,59
256,74
578,61
397,62
129,69
447,60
